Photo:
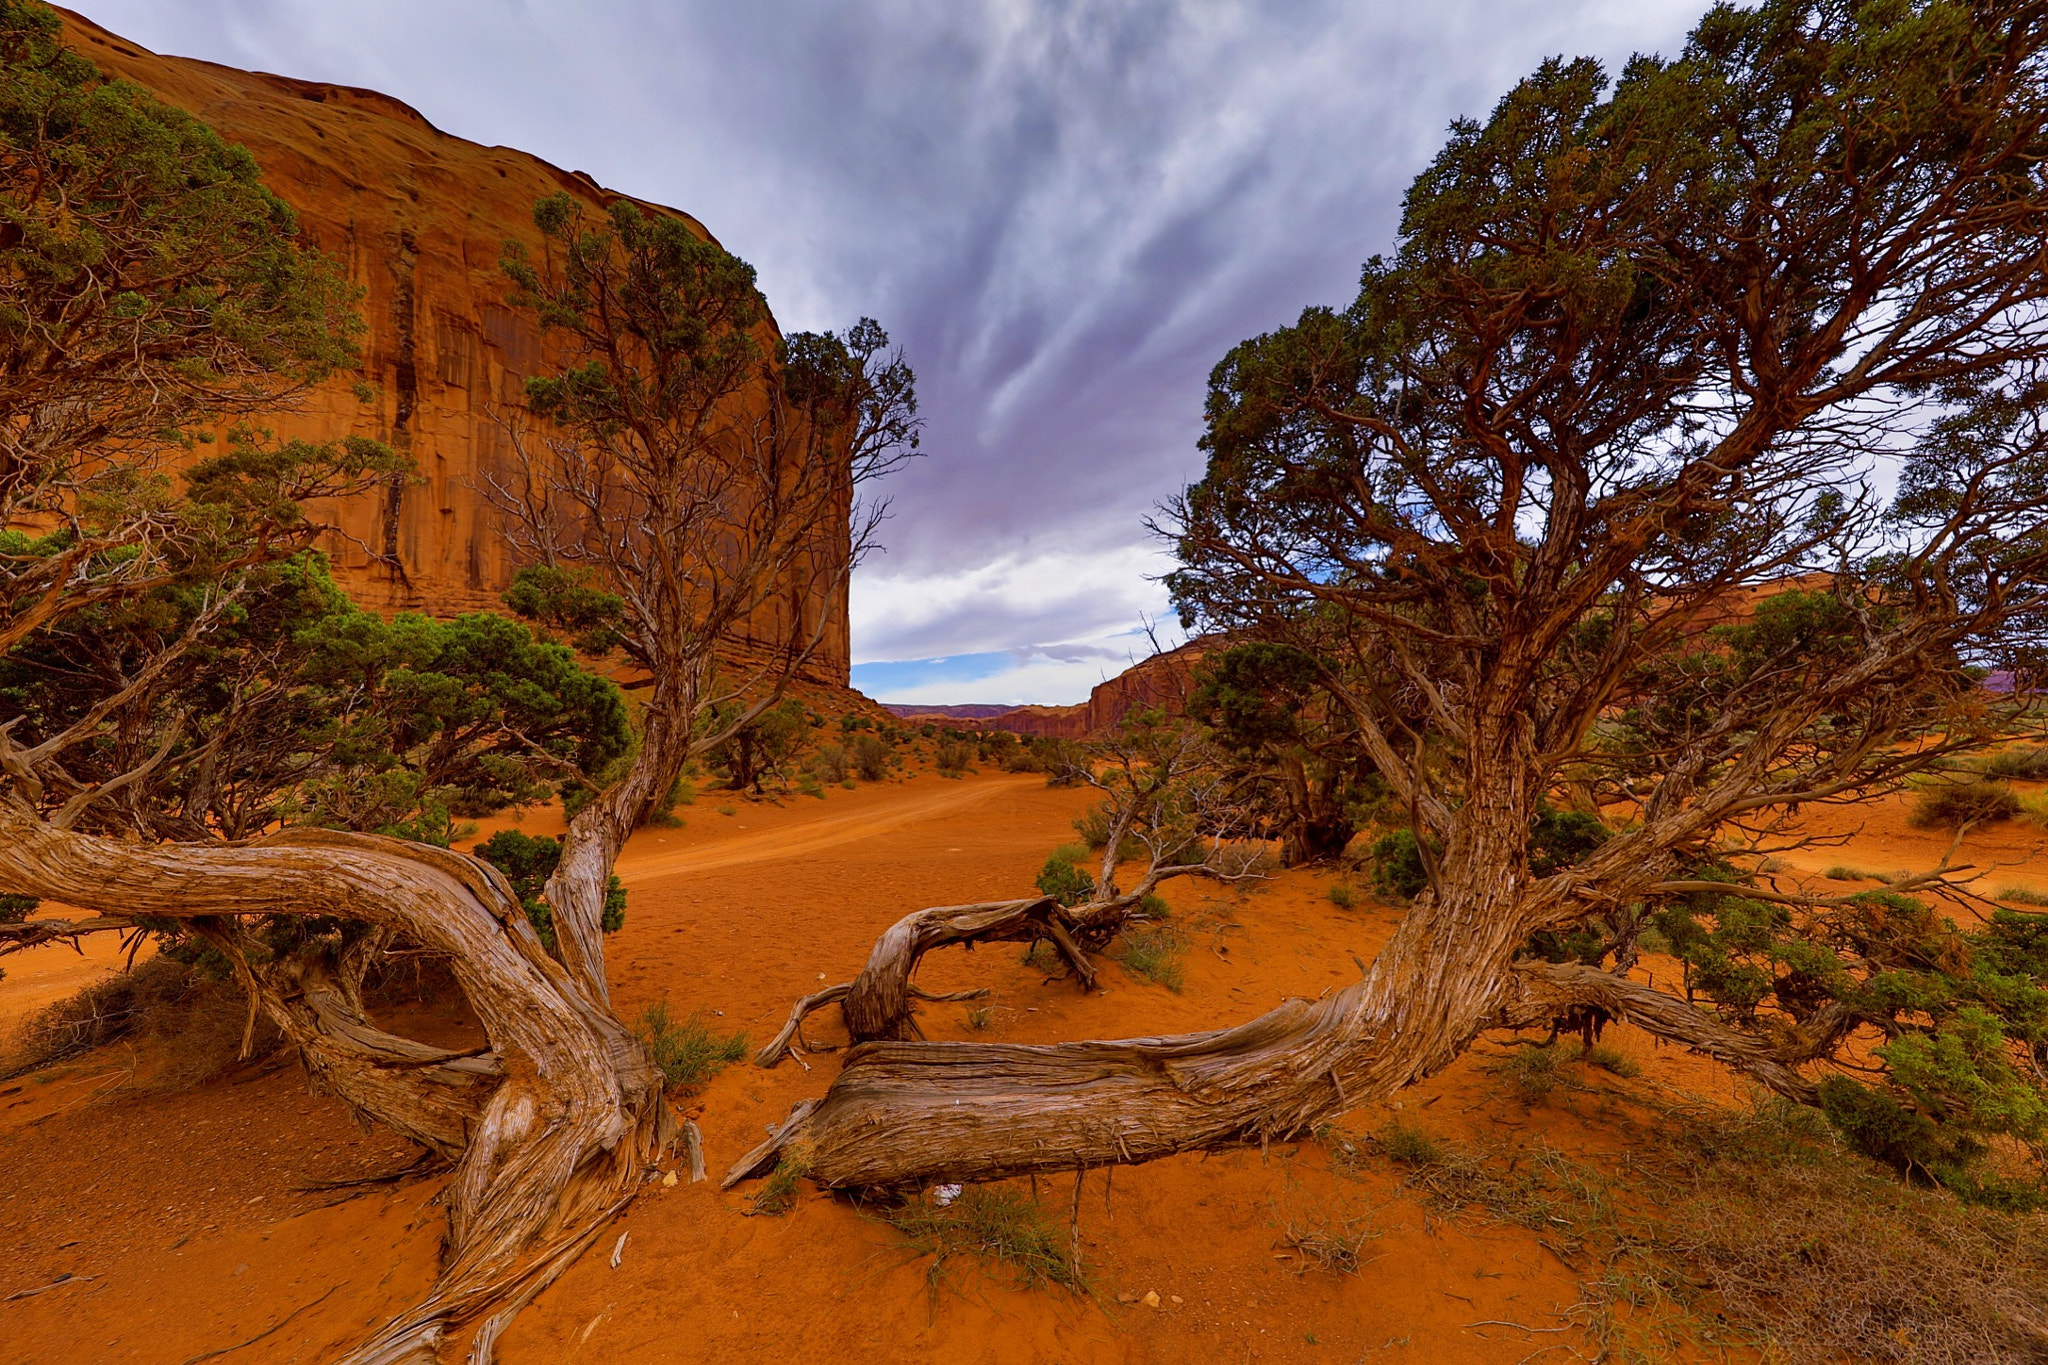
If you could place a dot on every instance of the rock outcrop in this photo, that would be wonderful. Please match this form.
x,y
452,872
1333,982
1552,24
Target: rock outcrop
x,y
420,220
1164,681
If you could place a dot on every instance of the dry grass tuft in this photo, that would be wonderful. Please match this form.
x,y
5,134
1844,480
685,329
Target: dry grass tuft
x,y
778,1192
687,1052
159,998
994,1224
1318,1239
1153,952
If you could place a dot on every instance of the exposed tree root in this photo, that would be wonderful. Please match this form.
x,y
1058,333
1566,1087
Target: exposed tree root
x,y
549,1130
905,1114
877,1004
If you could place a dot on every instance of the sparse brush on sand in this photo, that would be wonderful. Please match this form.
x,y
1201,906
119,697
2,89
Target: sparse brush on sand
x,y
1949,803
1000,1226
1748,1229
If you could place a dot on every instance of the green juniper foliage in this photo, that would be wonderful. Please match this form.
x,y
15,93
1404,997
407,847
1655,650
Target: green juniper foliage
x,y
292,704
1574,505
1962,1016
528,860
150,288
1268,706
1064,878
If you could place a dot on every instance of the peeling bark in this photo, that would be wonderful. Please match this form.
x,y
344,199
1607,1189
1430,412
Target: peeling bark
x,y
906,1114
550,1129
876,1005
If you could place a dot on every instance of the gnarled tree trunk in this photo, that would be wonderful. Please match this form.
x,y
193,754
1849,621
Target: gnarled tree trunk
x,y
905,1114
550,1129
877,1004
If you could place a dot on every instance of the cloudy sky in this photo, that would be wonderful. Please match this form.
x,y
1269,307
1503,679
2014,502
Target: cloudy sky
x,y
1065,212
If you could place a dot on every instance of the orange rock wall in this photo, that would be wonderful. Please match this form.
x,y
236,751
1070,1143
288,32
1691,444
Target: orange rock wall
x,y
420,220
1164,680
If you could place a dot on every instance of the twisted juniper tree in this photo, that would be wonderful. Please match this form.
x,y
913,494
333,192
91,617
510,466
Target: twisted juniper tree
x,y
150,288
1637,359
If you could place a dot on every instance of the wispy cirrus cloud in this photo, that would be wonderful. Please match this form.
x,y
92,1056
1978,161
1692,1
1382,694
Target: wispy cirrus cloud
x,y
1066,212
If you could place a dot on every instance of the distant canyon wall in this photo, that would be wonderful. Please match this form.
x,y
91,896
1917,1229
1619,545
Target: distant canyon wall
x,y
420,220
1163,681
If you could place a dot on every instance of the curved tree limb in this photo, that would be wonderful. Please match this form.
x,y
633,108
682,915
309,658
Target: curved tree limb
x,y
553,1128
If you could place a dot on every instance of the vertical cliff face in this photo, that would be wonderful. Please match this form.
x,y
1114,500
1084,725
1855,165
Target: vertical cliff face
x,y
420,220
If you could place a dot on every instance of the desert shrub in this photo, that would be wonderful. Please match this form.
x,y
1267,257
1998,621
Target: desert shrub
x,y
1320,1239
1023,759
1757,1229
1064,879
2024,763
1154,906
1974,802
778,1192
1153,952
980,1018
871,758
686,1051
1534,1071
528,860
951,757
1342,896
830,764
1611,1061
14,909
1838,873
995,1224
1397,868
1803,1246
809,785
2020,895
1411,1146
203,1012
1067,761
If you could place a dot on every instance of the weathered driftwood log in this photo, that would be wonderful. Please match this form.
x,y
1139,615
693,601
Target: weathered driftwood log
x,y
877,1004
550,1128
904,1114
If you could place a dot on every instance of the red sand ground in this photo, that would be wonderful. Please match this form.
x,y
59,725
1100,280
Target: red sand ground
x,y
177,1215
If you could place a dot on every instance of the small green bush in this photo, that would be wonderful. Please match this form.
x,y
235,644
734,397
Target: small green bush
x,y
14,909
1154,953
528,860
994,1224
1093,825
1411,1146
952,756
1064,879
1342,896
1397,868
1534,1070
1974,802
829,764
687,1053
871,758
2024,763
2020,895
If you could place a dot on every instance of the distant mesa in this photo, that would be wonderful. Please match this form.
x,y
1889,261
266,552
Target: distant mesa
x,y
1164,680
